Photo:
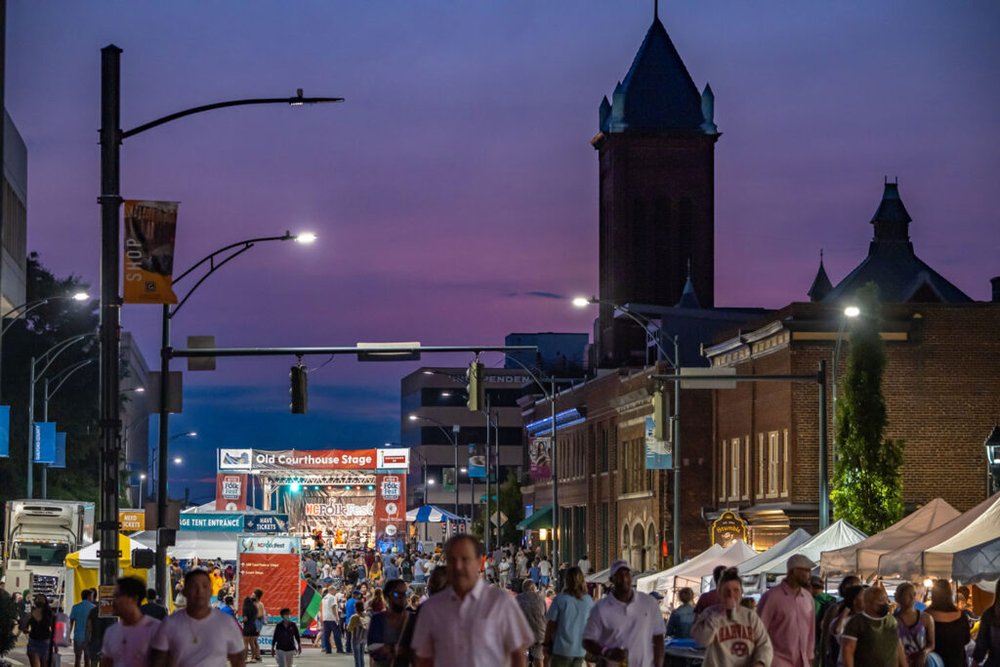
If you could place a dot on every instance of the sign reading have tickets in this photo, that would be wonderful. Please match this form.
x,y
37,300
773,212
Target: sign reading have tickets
x,y
270,563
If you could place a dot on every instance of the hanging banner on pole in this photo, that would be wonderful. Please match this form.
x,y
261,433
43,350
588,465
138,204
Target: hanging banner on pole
x,y
150,231
231,492
4,431
540,457
659,453
44,441
60,459
390,512
477,462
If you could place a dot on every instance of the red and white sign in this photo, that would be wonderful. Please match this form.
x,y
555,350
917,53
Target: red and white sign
x,y
270,563
264,460
393,459
230,492
390,508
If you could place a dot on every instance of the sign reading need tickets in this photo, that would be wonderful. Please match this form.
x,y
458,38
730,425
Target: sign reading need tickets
x,y
270,563
263,460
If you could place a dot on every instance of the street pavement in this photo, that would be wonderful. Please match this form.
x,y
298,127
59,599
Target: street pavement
x,y
311,657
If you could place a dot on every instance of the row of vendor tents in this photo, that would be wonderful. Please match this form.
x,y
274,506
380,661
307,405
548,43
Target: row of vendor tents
x,y
935,541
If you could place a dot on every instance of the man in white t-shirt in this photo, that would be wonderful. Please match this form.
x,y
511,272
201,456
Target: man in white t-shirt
x,y
126,643
331,621
198,634
544,571
625,624
469,623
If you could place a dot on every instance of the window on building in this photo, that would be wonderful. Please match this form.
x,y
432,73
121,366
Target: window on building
x,y
747,464
761,462
723,470
786,469
603,450
773,460
734,463
605,537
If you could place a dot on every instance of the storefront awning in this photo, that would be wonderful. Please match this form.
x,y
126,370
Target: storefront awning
x,y
541,518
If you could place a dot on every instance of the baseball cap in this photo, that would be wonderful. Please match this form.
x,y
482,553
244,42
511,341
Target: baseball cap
x,y
799,560
619,565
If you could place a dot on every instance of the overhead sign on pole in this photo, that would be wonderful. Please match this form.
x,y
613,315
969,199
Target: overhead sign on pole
x,y
712,382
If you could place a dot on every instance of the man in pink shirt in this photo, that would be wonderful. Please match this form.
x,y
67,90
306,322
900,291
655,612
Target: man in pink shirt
x,y
789,614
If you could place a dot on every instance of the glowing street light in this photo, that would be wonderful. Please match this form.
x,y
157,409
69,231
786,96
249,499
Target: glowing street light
x,y
305,238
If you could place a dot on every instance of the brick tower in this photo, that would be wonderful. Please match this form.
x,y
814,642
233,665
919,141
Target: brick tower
x,y
656,149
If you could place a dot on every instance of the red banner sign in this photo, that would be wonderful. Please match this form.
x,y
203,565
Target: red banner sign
x,y
270,563
390,510
230,492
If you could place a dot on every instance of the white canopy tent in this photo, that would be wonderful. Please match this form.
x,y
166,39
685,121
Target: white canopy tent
x,y
977,536
838,534
203,544
907,562
690,573
978,563
862,558
784,548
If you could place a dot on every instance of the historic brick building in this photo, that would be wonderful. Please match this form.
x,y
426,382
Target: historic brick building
x,y
941,385
656,151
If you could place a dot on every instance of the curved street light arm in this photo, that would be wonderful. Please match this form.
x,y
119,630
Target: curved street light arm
x,y
58,349
215,266
31,306
532,375
63,375
642,321
298,100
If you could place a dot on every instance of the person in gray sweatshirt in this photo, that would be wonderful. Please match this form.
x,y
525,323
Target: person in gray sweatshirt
x,y
733,636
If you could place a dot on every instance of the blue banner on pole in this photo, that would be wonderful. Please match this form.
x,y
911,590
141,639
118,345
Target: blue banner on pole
x,y
44,441
659,453
4,431
60,461
477,462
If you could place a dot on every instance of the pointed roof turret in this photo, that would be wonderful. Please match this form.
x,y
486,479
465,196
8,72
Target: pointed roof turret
x,y
892,222
901,276
658,93
689,298
821,283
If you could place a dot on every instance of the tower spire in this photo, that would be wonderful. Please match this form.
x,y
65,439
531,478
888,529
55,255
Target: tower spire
x,y
656,10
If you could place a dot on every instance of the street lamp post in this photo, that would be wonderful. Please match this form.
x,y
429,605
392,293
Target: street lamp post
x,y
49,356
214,263
850,313
20,311
47,393
645,323
452,438
111,137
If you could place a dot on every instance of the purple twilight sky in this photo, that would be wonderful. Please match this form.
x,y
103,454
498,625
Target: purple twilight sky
x,y
457,180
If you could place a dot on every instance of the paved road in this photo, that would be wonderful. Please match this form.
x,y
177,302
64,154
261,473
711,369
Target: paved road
x,y
311,657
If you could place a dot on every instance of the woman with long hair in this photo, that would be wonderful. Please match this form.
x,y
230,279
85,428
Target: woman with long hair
x,y
40,627
567,618
916,629
248,617
951,625
988,639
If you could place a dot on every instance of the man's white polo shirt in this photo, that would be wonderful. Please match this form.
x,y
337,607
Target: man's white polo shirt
x,y
480,631
614,624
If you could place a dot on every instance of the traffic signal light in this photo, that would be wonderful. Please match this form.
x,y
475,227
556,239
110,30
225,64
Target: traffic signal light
x,y
299,375
661,416
477,391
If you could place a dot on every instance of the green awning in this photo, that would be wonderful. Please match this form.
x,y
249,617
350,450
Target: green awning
x,y
541,518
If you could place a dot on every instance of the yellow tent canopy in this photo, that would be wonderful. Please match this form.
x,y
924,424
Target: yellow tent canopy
x,y
86,566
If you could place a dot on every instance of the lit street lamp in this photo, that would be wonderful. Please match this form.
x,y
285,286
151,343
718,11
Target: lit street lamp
x,y
646,324
452,438
18,312
850,313
111,138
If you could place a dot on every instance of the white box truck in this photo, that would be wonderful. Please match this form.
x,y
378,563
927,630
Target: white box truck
x,y
41,533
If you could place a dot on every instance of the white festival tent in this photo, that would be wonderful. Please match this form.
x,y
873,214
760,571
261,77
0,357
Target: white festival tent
x,y
690,573
838,534
203,544
785,548
977,564
908,562
979,536
862,558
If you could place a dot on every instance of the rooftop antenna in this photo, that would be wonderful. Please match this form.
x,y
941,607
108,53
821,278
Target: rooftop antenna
x,y
656,10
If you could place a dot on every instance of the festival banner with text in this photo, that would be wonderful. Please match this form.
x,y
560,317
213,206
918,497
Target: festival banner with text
x,y
270,563
150,231
390,511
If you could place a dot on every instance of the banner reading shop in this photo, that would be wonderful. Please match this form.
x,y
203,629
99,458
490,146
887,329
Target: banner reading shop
x,y
270,563
150,230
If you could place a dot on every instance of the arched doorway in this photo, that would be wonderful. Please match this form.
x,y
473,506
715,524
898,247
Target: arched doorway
x,y
638,558
652,548
626,543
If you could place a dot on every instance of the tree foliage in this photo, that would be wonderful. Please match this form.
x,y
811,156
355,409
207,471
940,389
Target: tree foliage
x,y
867,485
74,407
8,621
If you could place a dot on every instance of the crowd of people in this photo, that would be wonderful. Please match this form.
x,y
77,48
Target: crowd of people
x,y
458,606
